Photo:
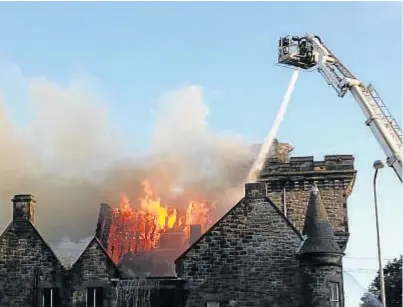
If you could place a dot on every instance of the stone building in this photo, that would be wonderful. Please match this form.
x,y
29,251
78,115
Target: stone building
x,y
281,245
29,269
33,275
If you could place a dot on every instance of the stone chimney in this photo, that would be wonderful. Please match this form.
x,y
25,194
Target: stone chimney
x,y
23,208
195,233
255,190
104,224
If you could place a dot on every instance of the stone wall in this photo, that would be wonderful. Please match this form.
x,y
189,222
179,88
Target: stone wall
x,y
249,256
28,266
334,177
92,269
22,252
315,285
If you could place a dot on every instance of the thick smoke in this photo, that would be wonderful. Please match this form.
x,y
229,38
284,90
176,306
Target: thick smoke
x,y
67,155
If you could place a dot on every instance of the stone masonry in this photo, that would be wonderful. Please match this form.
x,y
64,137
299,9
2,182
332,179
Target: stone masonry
x,y
92,269
254,256
30,271
289,183
320,257
27,263
280,246
252,239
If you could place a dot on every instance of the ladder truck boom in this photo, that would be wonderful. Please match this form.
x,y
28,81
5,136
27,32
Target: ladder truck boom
x,y
310,53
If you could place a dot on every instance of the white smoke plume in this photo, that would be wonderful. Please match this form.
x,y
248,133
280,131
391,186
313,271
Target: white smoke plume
x,y
66,154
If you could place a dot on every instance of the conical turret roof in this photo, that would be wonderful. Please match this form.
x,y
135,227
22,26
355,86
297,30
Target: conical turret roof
x,y
317,228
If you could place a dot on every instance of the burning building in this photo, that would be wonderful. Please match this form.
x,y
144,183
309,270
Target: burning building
x,y
32,274
145,236
282,244
150,235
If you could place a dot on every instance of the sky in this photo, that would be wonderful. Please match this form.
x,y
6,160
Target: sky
x,y
129,54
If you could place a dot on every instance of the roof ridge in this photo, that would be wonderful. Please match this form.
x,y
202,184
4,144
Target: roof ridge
x,y
266,199
47,245
96,240
209,230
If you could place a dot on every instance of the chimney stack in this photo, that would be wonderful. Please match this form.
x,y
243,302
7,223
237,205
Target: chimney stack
x,y
104,224
255,190
23,208
195,233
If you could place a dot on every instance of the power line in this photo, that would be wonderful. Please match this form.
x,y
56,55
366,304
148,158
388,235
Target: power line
x,y
365,258
359,270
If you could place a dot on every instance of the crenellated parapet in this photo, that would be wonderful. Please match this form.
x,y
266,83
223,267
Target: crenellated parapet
x,y
288,185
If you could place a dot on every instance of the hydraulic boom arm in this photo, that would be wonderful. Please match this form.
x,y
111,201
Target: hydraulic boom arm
x,y
309,52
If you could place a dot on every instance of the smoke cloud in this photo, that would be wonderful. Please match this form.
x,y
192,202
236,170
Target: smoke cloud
x,y
67,155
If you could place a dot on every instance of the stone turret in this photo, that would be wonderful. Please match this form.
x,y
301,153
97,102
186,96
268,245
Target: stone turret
x,y
320,258
289,183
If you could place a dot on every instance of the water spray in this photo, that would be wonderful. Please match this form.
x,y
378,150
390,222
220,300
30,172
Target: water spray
x,y
265,149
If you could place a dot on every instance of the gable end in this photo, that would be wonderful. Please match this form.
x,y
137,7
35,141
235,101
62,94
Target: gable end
x,y
264,199
96,242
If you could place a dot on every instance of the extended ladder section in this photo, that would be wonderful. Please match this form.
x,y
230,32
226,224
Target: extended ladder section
x,y
309,52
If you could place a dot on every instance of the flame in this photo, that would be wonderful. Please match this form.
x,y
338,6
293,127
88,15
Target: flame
x,y
140,228
172,219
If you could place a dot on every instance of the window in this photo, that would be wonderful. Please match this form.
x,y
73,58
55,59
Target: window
x,y
213,304
334,294
51,297
95,297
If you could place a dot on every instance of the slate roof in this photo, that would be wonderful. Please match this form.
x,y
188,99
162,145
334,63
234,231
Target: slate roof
x,y
319,233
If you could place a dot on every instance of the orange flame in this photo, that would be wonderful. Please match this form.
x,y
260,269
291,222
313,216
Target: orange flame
x,y
140,229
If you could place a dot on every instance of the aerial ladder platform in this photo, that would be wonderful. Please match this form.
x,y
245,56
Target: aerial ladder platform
x,y
310,53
